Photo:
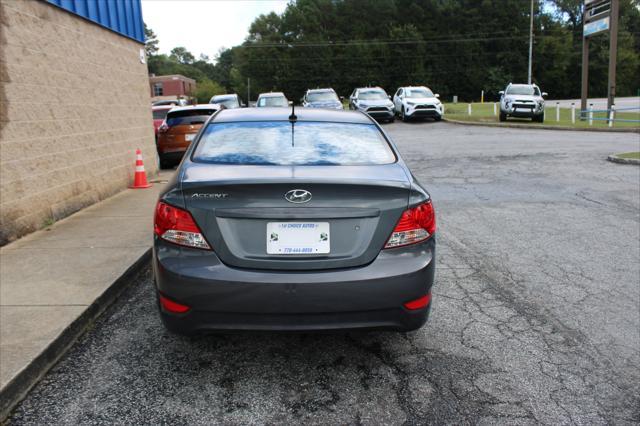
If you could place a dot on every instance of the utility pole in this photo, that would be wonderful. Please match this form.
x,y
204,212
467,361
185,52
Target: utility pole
x,y
613,52
584,93
530,44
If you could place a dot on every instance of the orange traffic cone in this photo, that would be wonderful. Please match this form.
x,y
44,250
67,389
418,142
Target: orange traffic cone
x,y
140,178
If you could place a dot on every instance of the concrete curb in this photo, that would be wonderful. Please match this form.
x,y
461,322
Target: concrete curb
x,y
616,159
543,127
21,384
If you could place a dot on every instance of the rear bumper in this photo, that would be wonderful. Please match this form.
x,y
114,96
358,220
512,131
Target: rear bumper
x,y
172,155
226,298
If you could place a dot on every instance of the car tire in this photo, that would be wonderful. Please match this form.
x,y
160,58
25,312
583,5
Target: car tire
x,y
437,118
538,118
503,116
391,120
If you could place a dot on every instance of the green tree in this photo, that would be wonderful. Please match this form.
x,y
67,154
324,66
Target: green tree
x,y
205,89
151,42
182,55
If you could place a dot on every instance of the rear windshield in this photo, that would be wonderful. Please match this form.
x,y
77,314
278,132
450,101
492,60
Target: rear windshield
x,y
192,116
160,114
303,143
272,101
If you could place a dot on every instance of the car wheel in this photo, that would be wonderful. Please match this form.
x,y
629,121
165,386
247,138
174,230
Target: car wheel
x,y
437,118
391,120
538,118
503,116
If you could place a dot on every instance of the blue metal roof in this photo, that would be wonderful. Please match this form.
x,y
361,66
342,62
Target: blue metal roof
x,y
121,16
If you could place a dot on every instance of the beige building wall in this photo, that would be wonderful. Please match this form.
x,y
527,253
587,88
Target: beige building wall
x,y
74,106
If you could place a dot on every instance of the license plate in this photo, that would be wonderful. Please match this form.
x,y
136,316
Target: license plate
x,y
298,238
189,137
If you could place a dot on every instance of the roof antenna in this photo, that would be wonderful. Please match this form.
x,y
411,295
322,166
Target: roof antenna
x,y
292,119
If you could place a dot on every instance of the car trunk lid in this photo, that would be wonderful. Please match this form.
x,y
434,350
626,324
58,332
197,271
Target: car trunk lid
x,y
359,205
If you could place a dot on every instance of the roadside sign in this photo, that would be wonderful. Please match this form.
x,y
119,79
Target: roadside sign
x,y
595,27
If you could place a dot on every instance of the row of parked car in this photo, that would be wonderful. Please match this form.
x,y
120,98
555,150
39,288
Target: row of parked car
x,y
407,102
176,124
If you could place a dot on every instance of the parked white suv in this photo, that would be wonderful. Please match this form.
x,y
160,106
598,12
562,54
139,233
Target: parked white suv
x,y
417,101
522,100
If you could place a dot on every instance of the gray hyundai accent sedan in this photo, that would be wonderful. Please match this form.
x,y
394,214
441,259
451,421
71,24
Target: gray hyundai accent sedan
x,y
293,220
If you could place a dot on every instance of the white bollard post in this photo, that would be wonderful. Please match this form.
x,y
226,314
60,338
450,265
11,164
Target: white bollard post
x,y
590,114
495,109
573,113
557,111
612,115
469,109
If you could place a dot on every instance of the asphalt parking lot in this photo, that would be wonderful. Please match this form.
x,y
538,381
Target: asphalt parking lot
x,y
536,315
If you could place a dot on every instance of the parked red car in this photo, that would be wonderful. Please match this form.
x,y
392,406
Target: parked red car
x,y
159,113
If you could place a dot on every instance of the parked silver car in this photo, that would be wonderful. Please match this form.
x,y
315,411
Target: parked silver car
x,y
417,102
272,99
321,98
373,101
522,100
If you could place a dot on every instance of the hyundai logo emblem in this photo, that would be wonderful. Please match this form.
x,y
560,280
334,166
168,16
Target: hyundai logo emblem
x,y
298,196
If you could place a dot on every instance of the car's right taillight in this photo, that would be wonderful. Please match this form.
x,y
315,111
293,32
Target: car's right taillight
x,y
163,127
415,225
177,226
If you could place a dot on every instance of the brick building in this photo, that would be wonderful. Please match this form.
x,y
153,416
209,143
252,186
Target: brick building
x,y
74,106
173,86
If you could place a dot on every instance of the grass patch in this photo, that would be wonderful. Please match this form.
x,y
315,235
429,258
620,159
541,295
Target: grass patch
x,y
631,155
483,113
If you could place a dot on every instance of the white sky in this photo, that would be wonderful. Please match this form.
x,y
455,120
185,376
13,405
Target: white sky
x,y
204,26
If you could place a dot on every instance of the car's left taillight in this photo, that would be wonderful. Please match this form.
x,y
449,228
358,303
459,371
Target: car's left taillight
x,y
177,226
415,225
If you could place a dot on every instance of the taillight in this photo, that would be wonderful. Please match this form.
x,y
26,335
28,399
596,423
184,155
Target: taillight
x,y
172,306
415,225
418,303
177,226
163,127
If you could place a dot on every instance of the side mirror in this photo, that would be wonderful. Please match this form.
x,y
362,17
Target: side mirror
x,y
501,92
437,95
545,94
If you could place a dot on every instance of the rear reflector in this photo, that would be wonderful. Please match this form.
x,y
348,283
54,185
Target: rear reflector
x,y
177,226
418,303
416,224
171,306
